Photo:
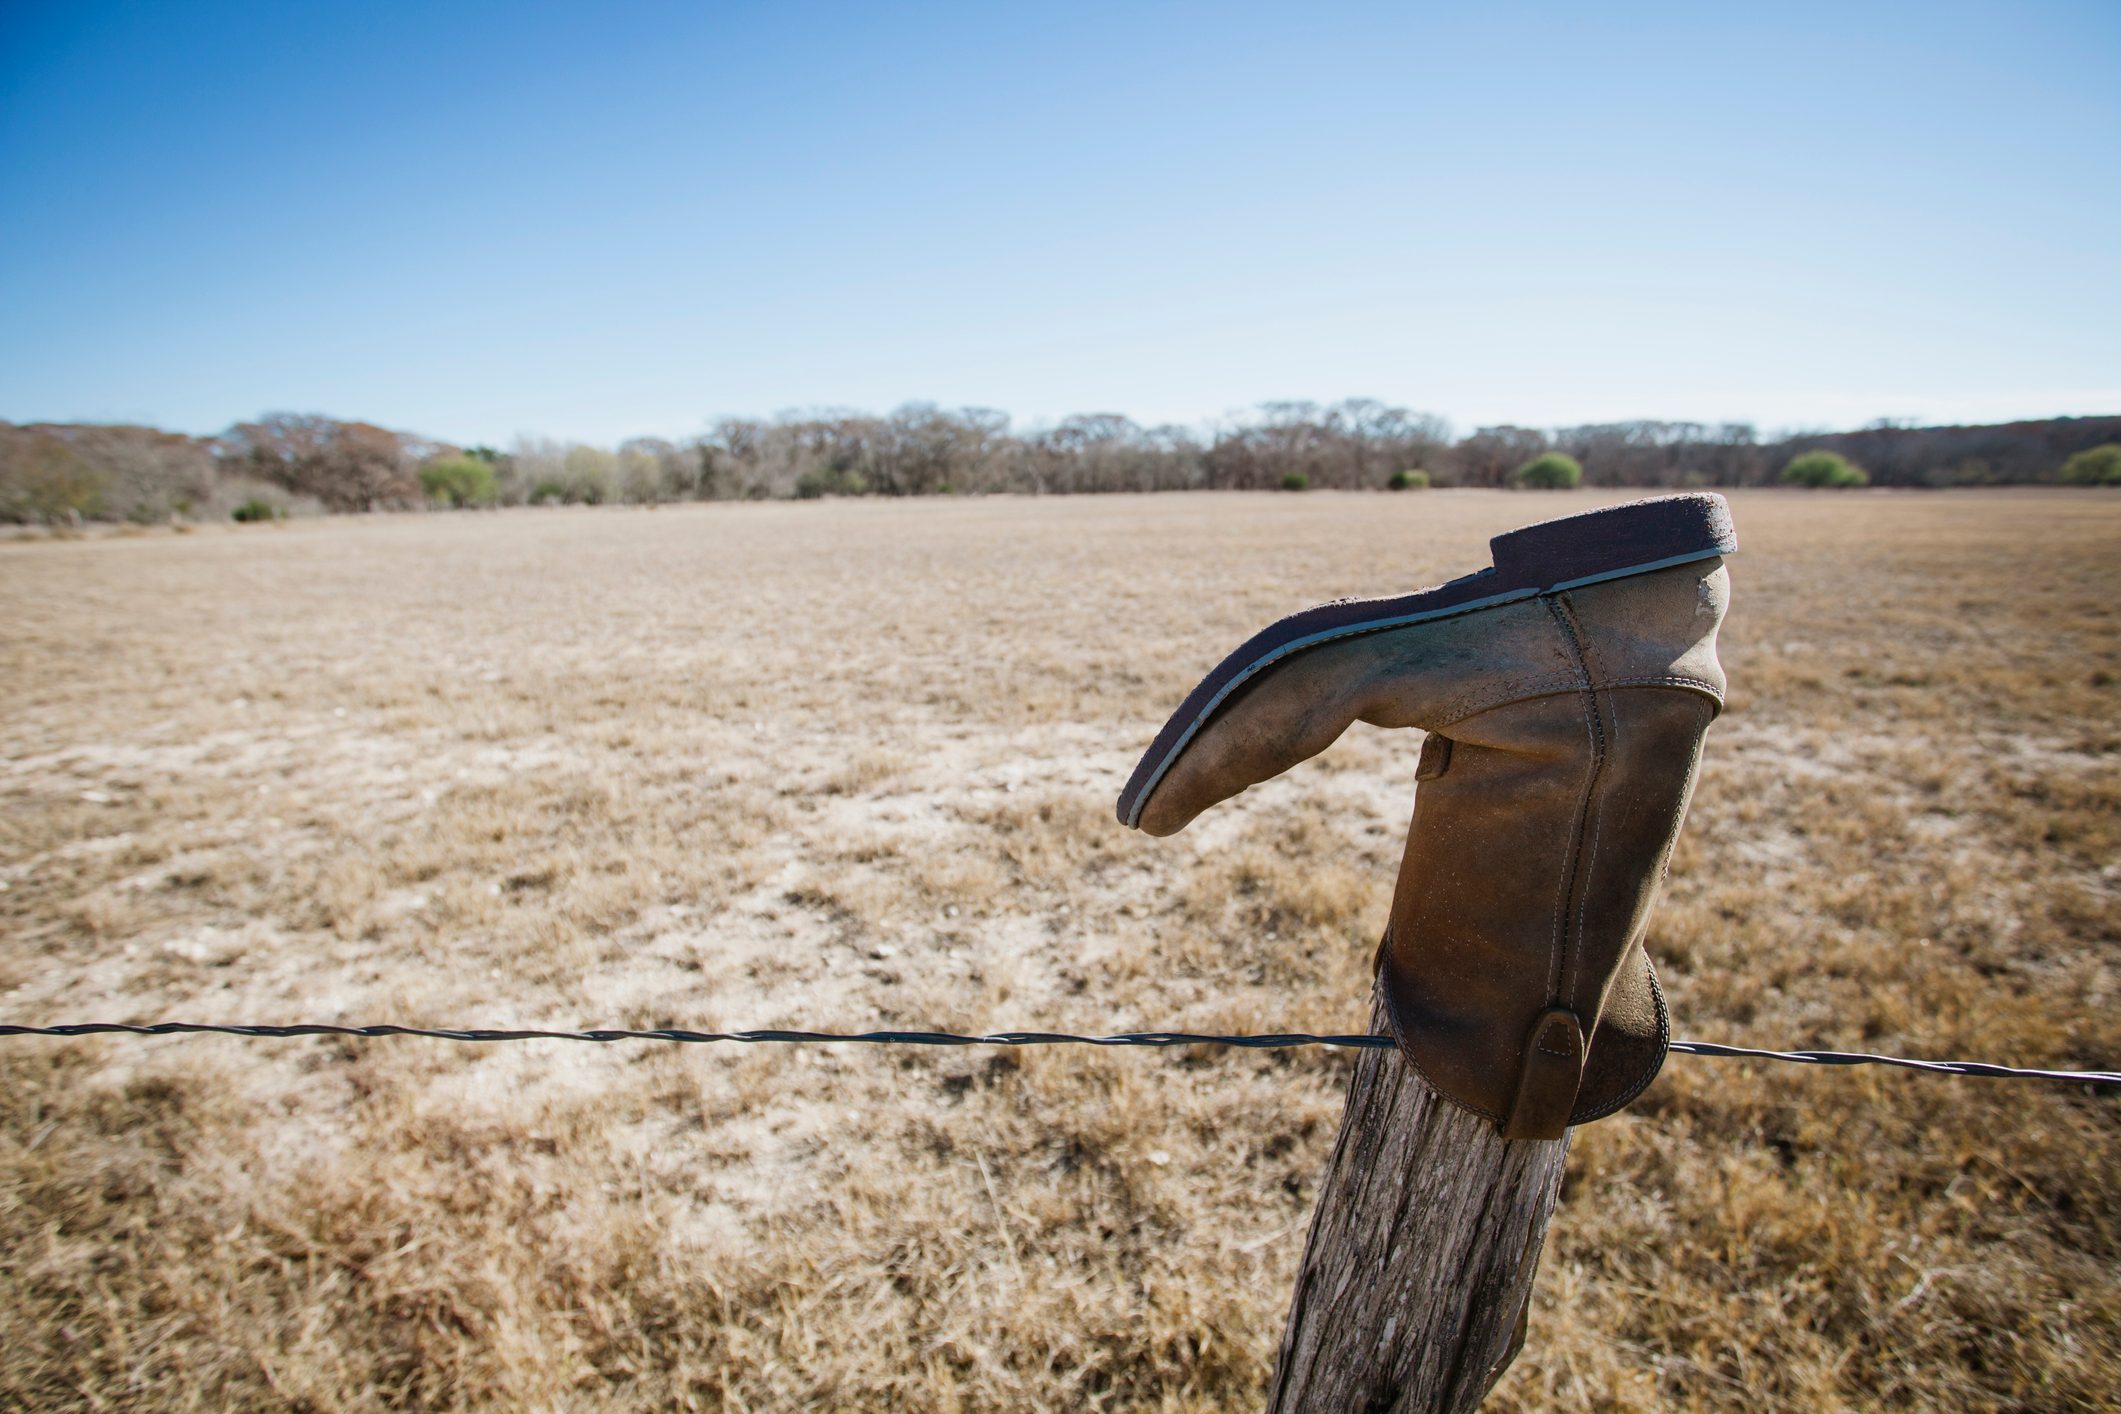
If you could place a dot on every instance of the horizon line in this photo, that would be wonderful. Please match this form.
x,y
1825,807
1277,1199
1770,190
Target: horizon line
x,y
1207,426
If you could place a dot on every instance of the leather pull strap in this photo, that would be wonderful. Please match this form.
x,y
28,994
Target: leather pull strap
x,y
1553,1072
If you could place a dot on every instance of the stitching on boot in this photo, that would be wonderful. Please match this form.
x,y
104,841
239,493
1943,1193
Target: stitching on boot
x,y
1609,720
1635,1087
1606,724
1655,1064
1527,689
1515,690
1700,685
1594,809
1562,965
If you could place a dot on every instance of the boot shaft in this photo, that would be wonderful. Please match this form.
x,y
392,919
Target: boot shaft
x,y
1541,829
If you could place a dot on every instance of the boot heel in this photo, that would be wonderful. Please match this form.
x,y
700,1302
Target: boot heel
x,y
1634,538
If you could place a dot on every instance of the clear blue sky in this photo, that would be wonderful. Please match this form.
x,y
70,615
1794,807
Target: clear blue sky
x,y
479,219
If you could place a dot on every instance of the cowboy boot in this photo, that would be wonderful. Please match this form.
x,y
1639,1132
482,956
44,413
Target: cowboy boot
x,y
1565,693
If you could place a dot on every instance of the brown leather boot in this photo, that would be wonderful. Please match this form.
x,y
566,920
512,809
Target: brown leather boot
x,y
1565,692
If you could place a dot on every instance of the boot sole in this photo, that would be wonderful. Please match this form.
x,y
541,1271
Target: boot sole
x,y
1556,555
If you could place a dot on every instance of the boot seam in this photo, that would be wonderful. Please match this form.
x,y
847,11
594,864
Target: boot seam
x,y
1524,689
1594,813
1701,685
1593,808
1629,1091
1635,1087
1531,690
1561,967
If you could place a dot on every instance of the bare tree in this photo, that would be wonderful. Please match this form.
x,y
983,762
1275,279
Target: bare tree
x,y
349,466
138,473
118,472
1492,454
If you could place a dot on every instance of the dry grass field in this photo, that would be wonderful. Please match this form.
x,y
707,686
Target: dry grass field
x,y
851,765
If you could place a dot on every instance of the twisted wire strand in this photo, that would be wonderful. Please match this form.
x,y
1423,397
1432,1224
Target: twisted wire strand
x,y
1976,1068
1159,1039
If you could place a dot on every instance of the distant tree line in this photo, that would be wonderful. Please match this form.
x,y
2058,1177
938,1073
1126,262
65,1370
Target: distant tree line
x,y
287,463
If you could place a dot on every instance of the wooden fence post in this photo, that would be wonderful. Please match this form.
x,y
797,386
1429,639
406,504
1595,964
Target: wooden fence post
x,y
1419,1266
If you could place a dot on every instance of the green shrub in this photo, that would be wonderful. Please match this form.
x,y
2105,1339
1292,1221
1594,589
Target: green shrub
x,y
1550,471
550,491
2096,466
1296,481
1823,469
1415,480
458,481
257,508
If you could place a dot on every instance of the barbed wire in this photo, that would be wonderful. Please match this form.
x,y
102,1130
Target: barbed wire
x,y
1159,1039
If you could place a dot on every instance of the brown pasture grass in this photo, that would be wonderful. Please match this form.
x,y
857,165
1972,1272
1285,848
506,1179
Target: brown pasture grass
x,y
851,765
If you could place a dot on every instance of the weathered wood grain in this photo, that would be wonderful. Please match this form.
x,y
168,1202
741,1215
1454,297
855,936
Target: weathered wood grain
x,y
1421,1255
